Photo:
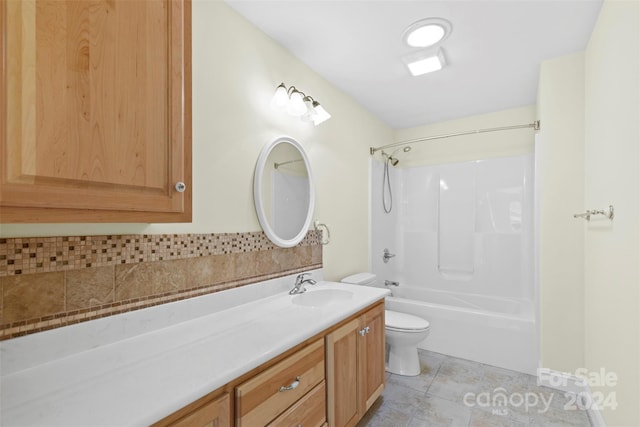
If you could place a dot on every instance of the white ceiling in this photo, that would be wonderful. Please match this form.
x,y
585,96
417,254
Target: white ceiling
x,y
493,53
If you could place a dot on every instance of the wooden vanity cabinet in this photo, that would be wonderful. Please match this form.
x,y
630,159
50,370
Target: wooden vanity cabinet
x,y
355,367
330,380
214,413
95,111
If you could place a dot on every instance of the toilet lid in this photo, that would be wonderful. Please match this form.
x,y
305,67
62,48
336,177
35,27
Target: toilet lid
x,y
396,320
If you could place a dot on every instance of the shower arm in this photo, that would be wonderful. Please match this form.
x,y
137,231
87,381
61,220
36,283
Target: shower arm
x,y
535,125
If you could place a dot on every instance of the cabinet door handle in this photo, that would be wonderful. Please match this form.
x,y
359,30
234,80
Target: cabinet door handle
x,y
180,187
364,331
291,386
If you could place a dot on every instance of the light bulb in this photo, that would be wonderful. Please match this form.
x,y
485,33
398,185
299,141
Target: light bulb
x,y
280,97
296,104
311,113
321,114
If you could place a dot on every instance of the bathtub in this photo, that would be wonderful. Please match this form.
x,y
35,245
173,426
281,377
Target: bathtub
x,y
496,331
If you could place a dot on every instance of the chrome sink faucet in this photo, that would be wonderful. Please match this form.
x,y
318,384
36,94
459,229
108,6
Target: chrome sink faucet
x,y
300,281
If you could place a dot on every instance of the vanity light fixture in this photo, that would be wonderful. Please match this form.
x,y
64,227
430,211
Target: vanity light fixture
x,y
322,115
298,104
296,107
281,97
424,62
311,112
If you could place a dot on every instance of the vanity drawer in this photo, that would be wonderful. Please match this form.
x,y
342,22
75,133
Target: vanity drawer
x,y
310,411
265,396
214,414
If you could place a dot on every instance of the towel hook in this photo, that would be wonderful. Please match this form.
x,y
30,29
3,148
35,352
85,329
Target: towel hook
x,y
318,225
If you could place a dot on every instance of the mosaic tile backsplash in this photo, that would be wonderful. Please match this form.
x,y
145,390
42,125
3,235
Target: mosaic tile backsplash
x,y
50,282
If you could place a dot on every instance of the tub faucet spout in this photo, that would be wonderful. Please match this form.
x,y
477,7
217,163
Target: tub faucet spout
x,y
391,283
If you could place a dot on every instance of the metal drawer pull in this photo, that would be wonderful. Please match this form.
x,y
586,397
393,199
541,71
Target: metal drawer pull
x,y
291,386
364,331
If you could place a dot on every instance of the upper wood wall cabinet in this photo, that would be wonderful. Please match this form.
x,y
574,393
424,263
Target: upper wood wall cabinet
x,y
96,111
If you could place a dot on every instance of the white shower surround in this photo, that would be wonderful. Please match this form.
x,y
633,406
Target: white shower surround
x,y
463,238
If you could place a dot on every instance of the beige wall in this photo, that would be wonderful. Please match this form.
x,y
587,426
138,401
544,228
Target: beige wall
x,y
588,157
470,147
236,68
560,185
612,176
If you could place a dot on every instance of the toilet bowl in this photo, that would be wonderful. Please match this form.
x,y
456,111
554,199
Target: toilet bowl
x,y
403,332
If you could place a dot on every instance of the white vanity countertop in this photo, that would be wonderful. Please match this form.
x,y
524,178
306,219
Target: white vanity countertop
x,y
144,377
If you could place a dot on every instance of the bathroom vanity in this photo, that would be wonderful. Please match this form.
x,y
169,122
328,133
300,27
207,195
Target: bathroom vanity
x,y
331,379
250,356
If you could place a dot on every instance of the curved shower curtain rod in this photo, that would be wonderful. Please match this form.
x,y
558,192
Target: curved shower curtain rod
x,y
277,165
535,125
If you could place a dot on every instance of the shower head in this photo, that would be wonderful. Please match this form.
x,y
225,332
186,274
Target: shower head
x,y
395,161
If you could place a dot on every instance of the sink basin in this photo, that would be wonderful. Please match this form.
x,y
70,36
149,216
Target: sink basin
x,y
322,297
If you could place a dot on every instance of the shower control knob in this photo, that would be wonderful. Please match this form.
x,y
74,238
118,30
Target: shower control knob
x,y
180,187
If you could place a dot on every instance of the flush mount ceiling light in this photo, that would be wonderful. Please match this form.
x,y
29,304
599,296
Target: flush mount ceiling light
x,y
298,104
427,32
424,62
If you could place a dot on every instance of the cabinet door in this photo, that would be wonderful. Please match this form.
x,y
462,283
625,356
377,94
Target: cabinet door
x,y
95,110
212,414
342,375
371,357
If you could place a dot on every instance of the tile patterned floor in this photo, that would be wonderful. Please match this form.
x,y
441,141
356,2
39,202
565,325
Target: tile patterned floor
x,y
461,393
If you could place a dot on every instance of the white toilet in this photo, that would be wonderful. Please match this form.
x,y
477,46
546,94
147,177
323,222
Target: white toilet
x,y
403,332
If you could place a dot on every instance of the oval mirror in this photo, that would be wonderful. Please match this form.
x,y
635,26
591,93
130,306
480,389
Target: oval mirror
x,y
283,192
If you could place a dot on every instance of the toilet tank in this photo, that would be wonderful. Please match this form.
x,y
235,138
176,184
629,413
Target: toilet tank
x,y
367,279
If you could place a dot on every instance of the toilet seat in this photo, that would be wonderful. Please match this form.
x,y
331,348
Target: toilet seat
x,y
403,322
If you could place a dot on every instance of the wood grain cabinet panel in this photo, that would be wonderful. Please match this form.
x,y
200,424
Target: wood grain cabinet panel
x,y
309,411
355,367
267,395
96,100
343,408
371,368
212,414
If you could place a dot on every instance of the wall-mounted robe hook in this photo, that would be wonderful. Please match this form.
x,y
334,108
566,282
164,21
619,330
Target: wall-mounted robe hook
x,y
588,213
